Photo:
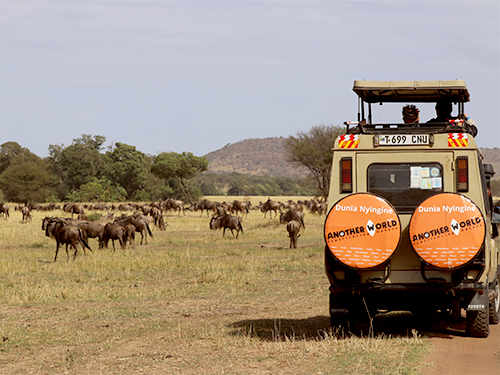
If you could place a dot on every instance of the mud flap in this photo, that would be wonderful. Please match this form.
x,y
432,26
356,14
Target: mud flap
x,y
480,301
339,307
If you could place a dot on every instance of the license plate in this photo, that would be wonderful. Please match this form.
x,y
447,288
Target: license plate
x,y
403,139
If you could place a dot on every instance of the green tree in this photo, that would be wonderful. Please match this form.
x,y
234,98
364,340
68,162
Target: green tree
x,y
8,151
180,167
155,189
128,167
98,190
313,150
76,164
27,179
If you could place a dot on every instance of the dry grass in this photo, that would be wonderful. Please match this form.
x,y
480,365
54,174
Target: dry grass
x,y
189,302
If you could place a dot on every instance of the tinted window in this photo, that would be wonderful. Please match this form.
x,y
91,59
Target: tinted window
x,y
405,185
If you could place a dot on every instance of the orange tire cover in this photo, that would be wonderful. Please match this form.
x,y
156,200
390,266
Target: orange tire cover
x,y
362,230
447,230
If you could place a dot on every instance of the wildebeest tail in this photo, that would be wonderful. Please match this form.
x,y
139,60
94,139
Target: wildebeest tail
x,y
149,230
241,227
83,241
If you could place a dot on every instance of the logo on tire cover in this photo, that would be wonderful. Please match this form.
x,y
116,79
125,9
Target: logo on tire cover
x,y
370,228
455,227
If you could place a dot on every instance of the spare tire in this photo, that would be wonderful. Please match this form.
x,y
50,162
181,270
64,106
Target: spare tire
x,y
362,230
447,230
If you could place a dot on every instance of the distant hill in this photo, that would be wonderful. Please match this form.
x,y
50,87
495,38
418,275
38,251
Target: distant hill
x,y
256,156
265,156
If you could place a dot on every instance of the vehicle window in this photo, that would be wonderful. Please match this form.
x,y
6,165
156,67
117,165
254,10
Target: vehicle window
x,y
405,186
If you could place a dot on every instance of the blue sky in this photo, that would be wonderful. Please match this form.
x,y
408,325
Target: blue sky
x,y
196,75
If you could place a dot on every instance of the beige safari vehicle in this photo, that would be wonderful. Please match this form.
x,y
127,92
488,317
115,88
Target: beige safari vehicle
x,y
409,224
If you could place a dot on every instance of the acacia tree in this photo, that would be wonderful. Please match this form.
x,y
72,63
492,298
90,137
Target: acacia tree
x,y
180,167
313,150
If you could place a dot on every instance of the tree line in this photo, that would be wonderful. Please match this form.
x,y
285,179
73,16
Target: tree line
x,y
87,172
84,171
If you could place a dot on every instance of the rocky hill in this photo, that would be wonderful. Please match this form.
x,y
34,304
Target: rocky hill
x,y
265,156
256,156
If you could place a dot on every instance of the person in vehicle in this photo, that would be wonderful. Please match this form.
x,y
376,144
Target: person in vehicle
x,y
411,114
443,112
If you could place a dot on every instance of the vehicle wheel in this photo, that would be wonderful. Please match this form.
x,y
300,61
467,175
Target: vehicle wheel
x,y
495,306
478,324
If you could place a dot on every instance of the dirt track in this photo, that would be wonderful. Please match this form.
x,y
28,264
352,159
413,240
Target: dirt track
x,y
453,353
456,354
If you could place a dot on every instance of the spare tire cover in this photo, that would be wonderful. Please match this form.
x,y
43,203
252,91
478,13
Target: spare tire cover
x,y
362,230
447,230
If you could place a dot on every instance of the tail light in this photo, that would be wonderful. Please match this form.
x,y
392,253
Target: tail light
x,y
462,174
346,175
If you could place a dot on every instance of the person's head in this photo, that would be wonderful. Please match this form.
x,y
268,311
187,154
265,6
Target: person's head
x,y
444,108
410,113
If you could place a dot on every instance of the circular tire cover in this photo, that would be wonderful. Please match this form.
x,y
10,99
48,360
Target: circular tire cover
x,y
362,230
447,230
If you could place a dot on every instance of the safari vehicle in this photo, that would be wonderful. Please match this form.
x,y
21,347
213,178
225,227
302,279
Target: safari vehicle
x,y
409,224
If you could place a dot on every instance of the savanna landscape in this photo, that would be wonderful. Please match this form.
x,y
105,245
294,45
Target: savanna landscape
x,y
189,302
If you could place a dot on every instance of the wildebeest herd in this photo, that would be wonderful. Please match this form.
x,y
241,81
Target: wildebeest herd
x,y
75,232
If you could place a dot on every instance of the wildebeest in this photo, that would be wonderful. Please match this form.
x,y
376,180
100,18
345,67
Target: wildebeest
x,y
130,234
158,218
114,232
73,208
173,204
227,221
206,205
292,215
318,207
141,225
26,214
270,205
293,228
4,210
67,234
241,206
92,230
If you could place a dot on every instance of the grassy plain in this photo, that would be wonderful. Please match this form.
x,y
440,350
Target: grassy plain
x,y
188,302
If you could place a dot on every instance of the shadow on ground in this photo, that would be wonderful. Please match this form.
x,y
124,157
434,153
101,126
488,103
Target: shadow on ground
x,y
394,324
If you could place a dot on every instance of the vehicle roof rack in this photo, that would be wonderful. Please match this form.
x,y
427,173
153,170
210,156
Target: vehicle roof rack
x,y
411,91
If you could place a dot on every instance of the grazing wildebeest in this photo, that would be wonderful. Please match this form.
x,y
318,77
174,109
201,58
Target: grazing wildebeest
x,y
318,207
240,206
26,214
130,234
67,234
73,208
207,205
140,223
173,204
4,210
292,215
92,230
293,228
227,221
158,218
114,232
270,205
